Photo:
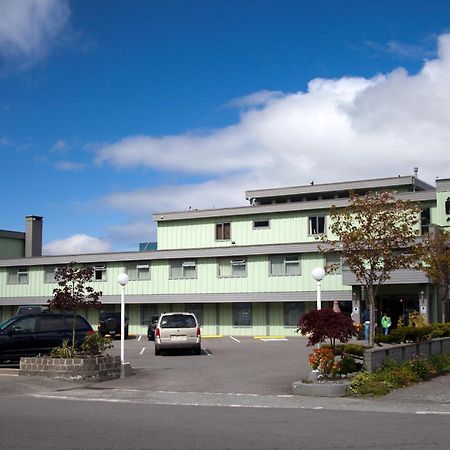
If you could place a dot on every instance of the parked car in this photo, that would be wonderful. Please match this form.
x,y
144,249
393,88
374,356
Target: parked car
x,y
30,309
38,333
109,323
151,328
179,330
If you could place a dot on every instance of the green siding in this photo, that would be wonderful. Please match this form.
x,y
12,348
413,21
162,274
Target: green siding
x,y
11,248
200,233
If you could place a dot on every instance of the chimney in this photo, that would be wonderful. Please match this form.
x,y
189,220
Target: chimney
x,y
33,236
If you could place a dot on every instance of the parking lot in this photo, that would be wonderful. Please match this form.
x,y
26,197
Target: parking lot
x,y
227,365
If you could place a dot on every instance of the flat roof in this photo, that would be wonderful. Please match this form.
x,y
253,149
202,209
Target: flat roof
x,y
377,183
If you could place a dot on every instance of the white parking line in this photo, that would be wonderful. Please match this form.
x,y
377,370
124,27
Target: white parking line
x,y
433,412
142,351
234,339
140,337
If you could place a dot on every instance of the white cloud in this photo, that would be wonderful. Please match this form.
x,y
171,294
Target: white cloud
x,y
77,244
69,166
29,28
339,129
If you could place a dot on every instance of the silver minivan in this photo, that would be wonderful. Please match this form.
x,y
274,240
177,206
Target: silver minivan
x,y
177,330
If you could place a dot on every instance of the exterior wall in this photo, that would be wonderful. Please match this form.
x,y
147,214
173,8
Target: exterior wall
x,y
11,248
200,233
442,218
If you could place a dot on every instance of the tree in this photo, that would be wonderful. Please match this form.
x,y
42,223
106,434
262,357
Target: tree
x,y
434,252
72,294
375,235
324,324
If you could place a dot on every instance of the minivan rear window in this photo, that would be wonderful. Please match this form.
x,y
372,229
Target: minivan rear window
x,y
178,321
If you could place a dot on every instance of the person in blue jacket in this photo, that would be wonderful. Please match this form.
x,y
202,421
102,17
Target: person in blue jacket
x,y
366,322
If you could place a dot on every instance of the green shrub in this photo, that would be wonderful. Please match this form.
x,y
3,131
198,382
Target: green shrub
x,y
354,349
63,351
382,339
348,365
394,376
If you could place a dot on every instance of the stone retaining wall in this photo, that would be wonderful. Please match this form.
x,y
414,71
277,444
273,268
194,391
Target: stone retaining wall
x,y
374,357
96,368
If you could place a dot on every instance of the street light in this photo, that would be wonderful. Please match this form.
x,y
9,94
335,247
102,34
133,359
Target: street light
x,y
122,279
318,273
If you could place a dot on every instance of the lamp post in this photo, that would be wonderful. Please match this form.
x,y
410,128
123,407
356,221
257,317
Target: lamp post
x,y
318,273
122,279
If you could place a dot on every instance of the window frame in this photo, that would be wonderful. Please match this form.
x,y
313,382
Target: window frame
x,y
286,312
14,275
261,227
284,257
47,272
239,307
182,264
220,231
232,262
103,270
133,271
316,225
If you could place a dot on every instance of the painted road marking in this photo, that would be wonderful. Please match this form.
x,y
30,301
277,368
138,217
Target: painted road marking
x,y
142,351
272,339
433,412
140,337
234,339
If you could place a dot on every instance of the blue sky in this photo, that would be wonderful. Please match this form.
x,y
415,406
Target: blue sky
x,y
113,110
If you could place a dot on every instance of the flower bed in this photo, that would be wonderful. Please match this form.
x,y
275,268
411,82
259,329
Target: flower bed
x,y
89,368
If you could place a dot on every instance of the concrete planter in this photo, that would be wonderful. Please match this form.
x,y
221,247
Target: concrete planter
x,y
93,368
321,388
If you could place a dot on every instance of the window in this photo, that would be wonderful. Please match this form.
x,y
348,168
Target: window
x,y
49,274
258,224
316,225
425,220
18,275
447,206
100,273
138,271
147,312
223,231
292,313
334,260
242,314
183,269
27,325
284,265
196,309
232,267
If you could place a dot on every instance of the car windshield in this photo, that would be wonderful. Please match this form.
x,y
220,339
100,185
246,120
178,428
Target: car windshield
x,y
6,323
178,321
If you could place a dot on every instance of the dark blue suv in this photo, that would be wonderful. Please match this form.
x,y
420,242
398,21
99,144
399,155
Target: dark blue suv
x,y
34,334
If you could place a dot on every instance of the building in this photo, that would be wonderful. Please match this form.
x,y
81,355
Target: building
x,y
244,270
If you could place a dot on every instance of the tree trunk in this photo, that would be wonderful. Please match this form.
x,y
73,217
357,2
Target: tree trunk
x,y
74,326
371,300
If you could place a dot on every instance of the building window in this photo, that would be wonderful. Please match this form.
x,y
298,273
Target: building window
x,y
242,314
425,220
316,225
147,312
261,224
196,309
223,231
284,265
232,267
49,274
292,313
138,271
333,260
99,273
183,269
18,275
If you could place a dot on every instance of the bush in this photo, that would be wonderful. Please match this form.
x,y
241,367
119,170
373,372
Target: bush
x,y
95,344
323,360
393,375
324,324
63,351
349,365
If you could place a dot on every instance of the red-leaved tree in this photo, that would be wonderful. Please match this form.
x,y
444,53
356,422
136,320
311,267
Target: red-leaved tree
x,y
324,324
72,294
